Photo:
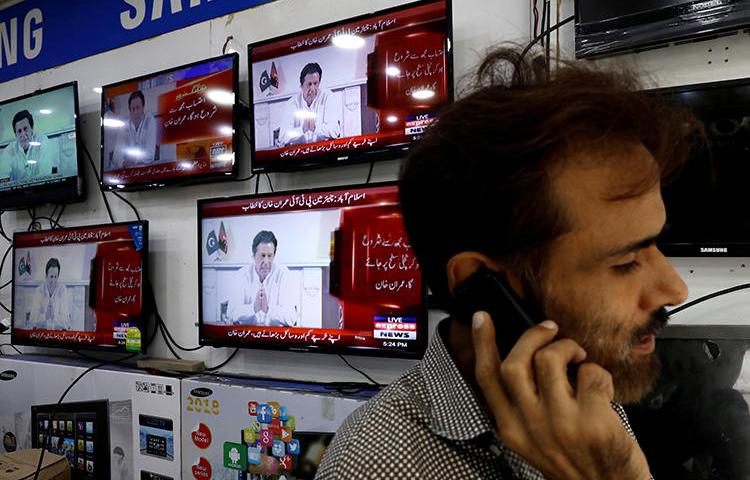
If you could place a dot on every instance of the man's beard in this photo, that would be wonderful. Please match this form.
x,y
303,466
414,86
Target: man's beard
x,y
607,341
632,376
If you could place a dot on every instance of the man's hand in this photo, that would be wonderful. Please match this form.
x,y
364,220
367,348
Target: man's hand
x,y
565,433
261,301
308,125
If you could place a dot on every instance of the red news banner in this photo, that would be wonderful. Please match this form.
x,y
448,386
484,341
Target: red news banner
x,y
189,120
377,270
116,277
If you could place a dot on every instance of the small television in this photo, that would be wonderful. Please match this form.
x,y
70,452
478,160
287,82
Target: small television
x,y
357,90
79,431
40,158
326,270
174,126
605,28
81,288
704,201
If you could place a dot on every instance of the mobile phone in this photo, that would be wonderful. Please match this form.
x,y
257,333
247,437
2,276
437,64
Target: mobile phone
x,y
489,291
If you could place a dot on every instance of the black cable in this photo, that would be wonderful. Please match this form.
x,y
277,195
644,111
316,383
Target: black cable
x,y
2,305
5,257
257,184
702,299
59,215
270,185
163,326
53,223
2,230
542,35
169,345
229,359
99,181
116,194
11,346
62,397
6,284
544,19
369,174
361,372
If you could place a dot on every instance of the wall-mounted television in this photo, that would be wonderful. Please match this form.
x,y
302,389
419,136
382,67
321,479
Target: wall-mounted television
x,y
174,126
40,159
358,90
706,199
326,270
79,431
81,288
605,28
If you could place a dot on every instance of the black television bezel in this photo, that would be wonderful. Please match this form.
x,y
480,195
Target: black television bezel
x,y
389,152
182,179
99,407
67,190
725,249
691,33
423,320
70,346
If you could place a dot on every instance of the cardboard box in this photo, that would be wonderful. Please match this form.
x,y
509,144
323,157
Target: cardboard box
x,y
22,466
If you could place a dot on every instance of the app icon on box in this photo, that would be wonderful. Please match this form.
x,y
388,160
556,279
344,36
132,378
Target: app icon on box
x,y
293,447
270,465
283,414
255,425
290,422
275,427
286,434
235,456
264,413
286,462
278,449
266,438
275,410
248,435
252,408
253,455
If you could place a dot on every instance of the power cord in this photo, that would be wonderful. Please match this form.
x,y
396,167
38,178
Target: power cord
x,y
99,181
709,296
369,174
270,185
379,385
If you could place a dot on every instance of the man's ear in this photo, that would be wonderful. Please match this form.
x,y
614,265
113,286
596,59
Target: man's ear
x,y
463,264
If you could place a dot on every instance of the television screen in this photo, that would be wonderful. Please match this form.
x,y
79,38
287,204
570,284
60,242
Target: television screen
x,y
39,154
704,202
615,27
173,126
327,270
79,431
356,90
81,287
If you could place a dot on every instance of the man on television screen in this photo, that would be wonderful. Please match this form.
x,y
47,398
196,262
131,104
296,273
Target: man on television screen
x,y
312,114
50,305
269,296
136,141
30,155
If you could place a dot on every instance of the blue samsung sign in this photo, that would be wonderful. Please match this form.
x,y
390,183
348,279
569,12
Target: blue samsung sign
x,y
40,34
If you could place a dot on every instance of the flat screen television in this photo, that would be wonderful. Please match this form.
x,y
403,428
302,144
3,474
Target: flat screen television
x,y
79,431
358,90
81,288
604,28
326,270
40,159
174,126
705,202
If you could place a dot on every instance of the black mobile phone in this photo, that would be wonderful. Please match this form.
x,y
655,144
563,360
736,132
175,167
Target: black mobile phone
x,y
488,290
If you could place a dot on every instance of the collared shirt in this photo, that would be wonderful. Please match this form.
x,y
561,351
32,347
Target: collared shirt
x,y
323,110
51,312
426,424
137,145
283,298
17,165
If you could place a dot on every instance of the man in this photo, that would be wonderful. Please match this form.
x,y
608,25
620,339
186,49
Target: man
x,y
269,296
554,185
312,115
50,304
136,141
29,155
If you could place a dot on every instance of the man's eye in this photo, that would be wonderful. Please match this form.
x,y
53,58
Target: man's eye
x,y
626,268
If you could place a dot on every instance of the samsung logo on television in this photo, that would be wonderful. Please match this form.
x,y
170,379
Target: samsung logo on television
x,y
8,375
714,250
201,392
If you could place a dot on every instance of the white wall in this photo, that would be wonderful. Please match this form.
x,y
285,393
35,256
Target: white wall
x,y
478,24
